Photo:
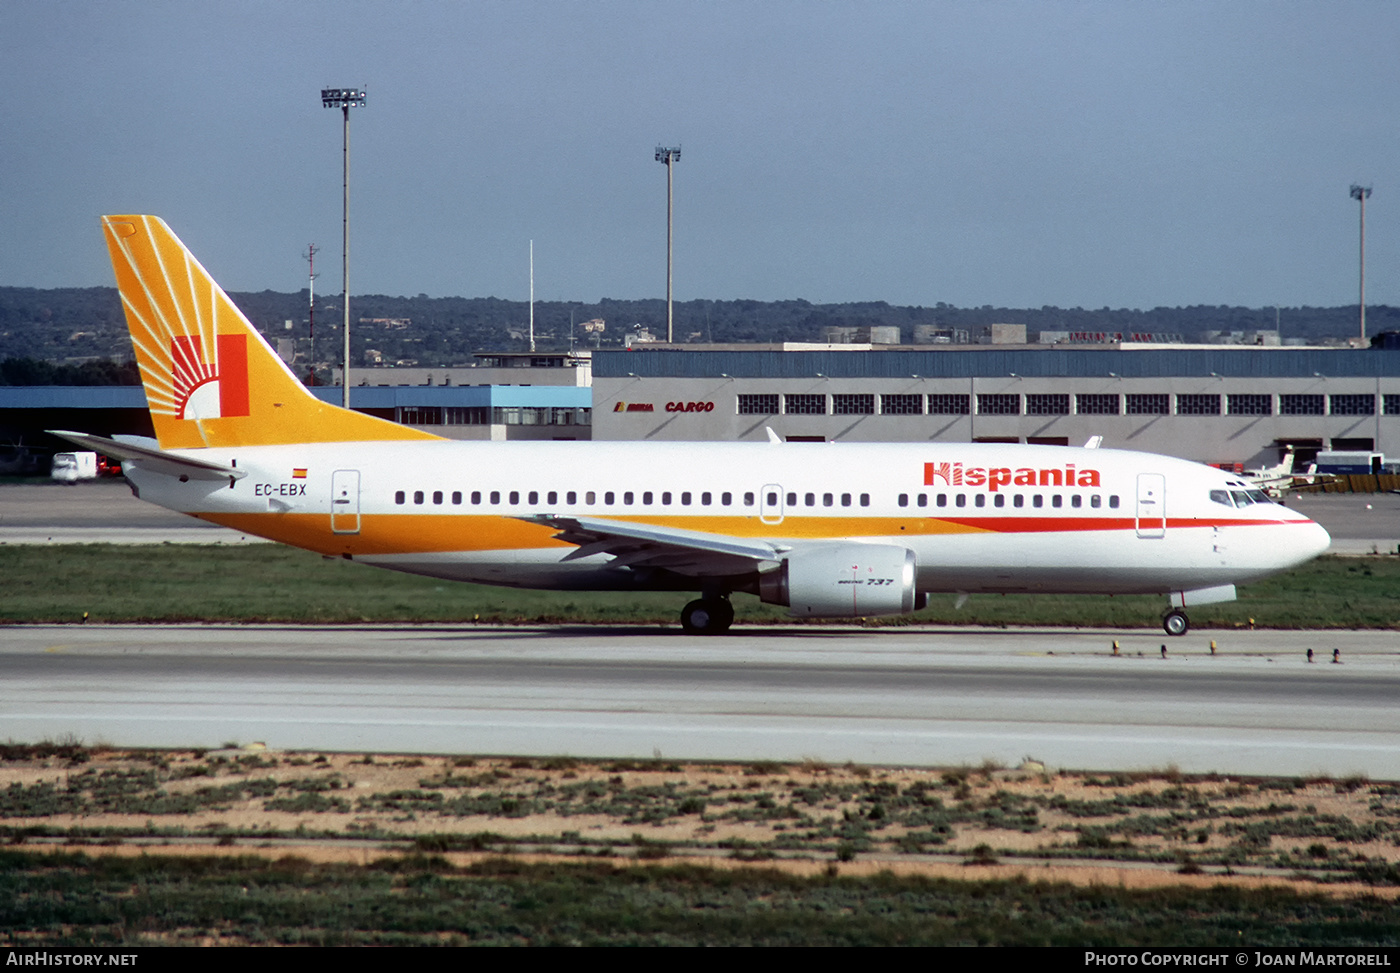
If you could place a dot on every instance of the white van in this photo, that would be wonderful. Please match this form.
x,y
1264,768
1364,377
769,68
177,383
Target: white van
x,y
71,467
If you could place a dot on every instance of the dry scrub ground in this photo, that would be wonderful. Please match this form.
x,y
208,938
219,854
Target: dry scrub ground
x,y
1119,829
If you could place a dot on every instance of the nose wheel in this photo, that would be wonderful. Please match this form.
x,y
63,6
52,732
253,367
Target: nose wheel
x,y
707,616
1175,622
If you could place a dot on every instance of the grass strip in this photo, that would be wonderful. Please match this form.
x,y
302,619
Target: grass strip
x,y
266,583
73,899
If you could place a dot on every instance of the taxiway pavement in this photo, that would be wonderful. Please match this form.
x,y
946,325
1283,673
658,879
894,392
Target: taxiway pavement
x,y
930,697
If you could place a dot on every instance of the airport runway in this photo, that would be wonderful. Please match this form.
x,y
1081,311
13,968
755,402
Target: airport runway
x,y
903,696
98,512
106,512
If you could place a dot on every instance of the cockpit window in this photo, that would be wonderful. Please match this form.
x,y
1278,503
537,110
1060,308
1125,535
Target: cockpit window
x,y
1259,496
1221,496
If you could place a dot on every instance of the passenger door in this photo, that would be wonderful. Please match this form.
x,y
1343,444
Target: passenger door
x,y
345,502
1151,505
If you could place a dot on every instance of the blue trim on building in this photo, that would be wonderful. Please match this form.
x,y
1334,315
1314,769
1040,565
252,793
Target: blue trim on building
x,y
361,396
460,396
1048,362
72,397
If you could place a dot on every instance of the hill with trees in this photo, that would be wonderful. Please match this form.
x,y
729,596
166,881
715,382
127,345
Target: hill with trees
x,y
74,325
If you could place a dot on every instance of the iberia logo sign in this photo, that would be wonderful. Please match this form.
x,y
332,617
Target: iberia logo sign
x,y
215,389
634,407
953,474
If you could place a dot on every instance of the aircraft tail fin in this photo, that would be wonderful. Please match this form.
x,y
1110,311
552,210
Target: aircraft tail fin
x,y
210,377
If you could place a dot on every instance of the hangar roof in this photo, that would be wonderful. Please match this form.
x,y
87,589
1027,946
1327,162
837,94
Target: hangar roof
x,y
992,360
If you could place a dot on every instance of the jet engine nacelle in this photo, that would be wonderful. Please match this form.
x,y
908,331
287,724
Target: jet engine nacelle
x,y
843,581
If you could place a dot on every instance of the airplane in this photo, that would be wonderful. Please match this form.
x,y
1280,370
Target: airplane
x,y
838,530
1278,480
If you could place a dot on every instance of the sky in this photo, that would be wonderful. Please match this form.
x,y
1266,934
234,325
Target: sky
x,y
1013,154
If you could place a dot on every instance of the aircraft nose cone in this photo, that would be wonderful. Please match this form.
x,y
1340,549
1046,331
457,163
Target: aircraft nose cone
x,y
1308,540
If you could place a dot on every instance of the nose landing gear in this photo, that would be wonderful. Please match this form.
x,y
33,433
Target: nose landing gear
x,y
1175,622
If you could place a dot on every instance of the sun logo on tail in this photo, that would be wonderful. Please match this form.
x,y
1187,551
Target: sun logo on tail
x,y
209,389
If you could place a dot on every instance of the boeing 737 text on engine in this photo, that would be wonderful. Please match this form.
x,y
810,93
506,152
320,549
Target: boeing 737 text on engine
x,y
832,530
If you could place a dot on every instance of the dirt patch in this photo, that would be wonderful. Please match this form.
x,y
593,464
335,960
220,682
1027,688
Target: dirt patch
x,y
1133,830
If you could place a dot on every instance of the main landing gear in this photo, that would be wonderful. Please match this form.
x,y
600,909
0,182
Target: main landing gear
x,y
707,616
1175,622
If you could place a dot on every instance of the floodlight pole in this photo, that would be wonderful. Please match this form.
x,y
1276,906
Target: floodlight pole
x,y
1361,194
311,251
345,99
667,157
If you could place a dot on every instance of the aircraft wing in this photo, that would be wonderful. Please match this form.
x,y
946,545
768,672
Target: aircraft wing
x,y
151,458
688,552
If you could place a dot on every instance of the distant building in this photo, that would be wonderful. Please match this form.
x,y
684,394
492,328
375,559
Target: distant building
x,y
933,334
1008,334
1209,403
871,335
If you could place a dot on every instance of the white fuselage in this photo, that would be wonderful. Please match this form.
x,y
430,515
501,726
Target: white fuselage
x,y
978,517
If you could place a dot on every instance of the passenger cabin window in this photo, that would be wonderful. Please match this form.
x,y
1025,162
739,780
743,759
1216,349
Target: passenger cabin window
x,y
748,499
515,496
1057,501
666,498
1000,500
1113,502
571,498
865,499
437,496
725,499
534,497
551,498
495,496
960,500
981,500
590,498
904,499
627,498
476,496
398,496
685,498
646,496
1037,501
1096,501
705,499
792,499
811,499
417,496
457,497
921,500
1076,501
845,499
608,498
1018,501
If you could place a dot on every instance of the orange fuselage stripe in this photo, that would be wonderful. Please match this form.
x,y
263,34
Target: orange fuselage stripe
x,y
401,533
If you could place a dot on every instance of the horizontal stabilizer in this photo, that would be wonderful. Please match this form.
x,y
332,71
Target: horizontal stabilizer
x,y
155,460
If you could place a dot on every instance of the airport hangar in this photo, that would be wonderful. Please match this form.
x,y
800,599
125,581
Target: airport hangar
x,y
1210,403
